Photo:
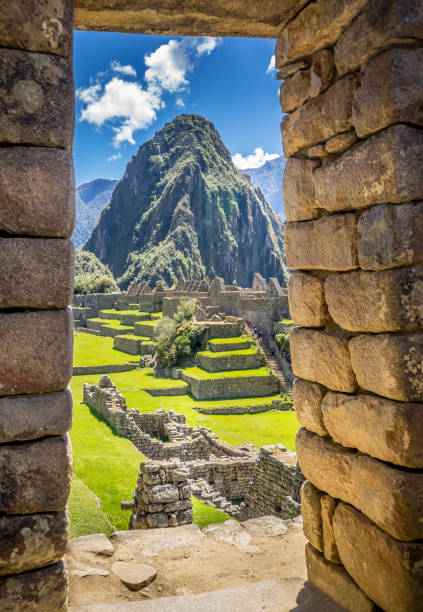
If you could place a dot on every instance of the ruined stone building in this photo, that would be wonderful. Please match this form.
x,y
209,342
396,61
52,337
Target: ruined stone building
x,y
353,189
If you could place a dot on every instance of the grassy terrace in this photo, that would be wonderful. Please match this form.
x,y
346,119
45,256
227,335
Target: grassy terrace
x,y
234,340
217,355
134,337
90,350
201,374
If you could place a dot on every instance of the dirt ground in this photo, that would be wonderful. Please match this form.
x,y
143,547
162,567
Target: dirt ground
x,y
186,559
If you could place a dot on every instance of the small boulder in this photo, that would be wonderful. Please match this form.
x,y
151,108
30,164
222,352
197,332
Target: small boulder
x,y
135,576
266,526
97,544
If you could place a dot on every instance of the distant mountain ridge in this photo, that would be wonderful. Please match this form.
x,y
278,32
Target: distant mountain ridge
x,y
269,178
182,210
90,198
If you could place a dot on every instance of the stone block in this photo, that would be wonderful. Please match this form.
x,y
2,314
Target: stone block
x,y
390,236
36,475
317,26
389,571
37,192
306,297
37,99
389,365
35,26
330,551
322,357
382,24
157,520
298,190
335,581
395,304
295,90
291,69
320,118
341,142
36,351
32,541
312,515
308,398
165,493
383,168
391,91
391,497
329,243
27,417
45,589
385,429
28,263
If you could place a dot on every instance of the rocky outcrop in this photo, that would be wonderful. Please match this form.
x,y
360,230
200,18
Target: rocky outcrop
x,y
183,210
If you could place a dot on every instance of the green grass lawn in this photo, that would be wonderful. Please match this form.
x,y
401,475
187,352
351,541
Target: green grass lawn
x,y
85,513
216,355
201,374
207,515
90,350
235,340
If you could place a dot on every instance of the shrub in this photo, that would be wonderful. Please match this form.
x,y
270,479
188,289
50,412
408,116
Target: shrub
x,y
91,276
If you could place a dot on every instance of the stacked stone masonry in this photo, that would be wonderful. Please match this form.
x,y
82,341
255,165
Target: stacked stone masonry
x,y
353,191
36,286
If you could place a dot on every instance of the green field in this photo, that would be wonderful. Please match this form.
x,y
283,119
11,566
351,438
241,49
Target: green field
x,y
216,355
201,374
90,350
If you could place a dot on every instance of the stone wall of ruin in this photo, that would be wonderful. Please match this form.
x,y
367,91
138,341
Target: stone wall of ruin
x,y
37,213
275,487
353,191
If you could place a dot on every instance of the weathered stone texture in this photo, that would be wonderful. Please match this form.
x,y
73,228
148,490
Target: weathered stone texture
x,y
383,168
298,190
28,263
324,244
305,84
27,417
192,18
312,515
389,571
334,580
306,298
347,475
36,475
36,351
385,429
383,23
391,91
389,236
339,143
308,398
37,99
320,118
328,505
389,365
32,541
319,25
322,357
45,589
49,28
396,302
37,192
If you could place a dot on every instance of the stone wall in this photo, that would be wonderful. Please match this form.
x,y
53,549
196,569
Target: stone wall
x,y
162,496
276,484
231,477
36,285
96,301
353,191
245,386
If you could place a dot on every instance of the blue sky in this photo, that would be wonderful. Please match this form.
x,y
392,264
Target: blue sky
x,y
128,86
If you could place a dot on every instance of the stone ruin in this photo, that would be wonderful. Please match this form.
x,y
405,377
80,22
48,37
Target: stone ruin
x,y
216,471
351,94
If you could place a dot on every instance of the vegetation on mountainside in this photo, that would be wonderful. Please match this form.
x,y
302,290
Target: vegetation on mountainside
x,y
178,338
91,276
90,198
183,211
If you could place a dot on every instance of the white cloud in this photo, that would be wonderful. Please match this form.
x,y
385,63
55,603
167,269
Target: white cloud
x,y
255,160
168,66
271,67
206,44
114,157
121,99
128,105
128,69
